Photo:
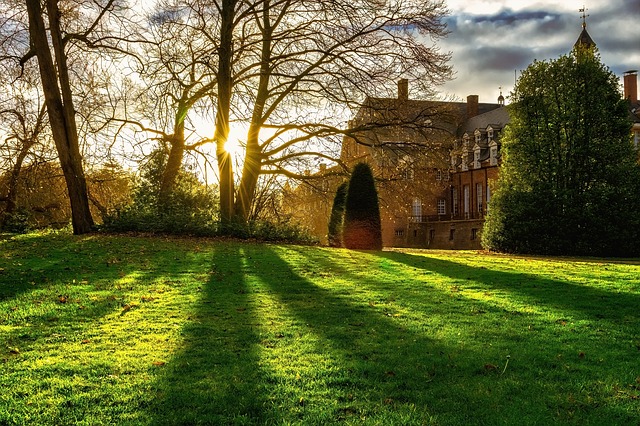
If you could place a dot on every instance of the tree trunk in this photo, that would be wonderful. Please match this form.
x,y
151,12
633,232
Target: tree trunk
x,y
250,175
60,109
253,156
174,161
12,193
225,83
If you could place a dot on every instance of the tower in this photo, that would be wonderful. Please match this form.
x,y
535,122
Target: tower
x,y
584,40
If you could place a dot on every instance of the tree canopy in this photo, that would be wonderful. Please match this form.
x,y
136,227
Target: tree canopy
x,y
289,72
569,181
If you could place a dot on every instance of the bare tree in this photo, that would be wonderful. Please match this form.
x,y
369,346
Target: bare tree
x,y
62,35
59,102
24,120
311,61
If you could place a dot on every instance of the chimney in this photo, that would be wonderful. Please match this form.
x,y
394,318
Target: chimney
x,y
631,86
403,89
472,106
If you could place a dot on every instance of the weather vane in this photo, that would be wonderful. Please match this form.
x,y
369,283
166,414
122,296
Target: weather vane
x,y
584,16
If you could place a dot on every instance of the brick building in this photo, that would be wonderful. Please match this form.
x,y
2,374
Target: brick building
x,y
409,145
435,163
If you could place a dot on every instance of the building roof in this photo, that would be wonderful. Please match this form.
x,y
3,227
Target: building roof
x,y
497,118
584,40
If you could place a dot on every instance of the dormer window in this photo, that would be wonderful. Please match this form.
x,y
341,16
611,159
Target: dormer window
x,y
465,164
476,157
493,153
490,133
478,136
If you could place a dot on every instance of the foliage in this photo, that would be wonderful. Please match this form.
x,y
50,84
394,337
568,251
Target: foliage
x,y
110,189
337,216
15,222
569,182
362,228
278,231
147,331
191,208
42,198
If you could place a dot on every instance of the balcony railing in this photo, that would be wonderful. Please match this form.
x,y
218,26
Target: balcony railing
x,y
446,217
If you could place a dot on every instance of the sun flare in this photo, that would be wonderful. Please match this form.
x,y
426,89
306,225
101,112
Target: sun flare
x,y
235,143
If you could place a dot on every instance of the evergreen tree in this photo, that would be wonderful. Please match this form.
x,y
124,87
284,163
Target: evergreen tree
x,y
362,229
569,181
337,216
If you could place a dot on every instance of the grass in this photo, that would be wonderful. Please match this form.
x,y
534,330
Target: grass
x,y
121,330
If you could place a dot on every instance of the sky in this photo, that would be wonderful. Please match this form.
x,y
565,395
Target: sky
x,y
491,41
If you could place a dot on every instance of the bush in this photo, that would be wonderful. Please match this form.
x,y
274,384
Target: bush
x,y
362,229
280,231
16,222
191,208
337,216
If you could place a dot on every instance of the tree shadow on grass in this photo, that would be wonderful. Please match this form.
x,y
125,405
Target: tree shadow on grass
x,y
373,366
215,377
529,390
77,298
588,301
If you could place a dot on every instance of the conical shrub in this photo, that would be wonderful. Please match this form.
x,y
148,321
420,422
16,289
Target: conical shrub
x,y
361,228
337,215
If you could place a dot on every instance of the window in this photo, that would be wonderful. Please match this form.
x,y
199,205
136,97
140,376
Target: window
x,y
454,200
465,159
476,157
490,133
442,206
399,232
479,196
416,209
488,195
465,190
493,154
432,234
474,233
452,234
438,175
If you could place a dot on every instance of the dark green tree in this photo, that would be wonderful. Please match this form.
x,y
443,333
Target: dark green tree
x,y
361,227
569,181
337,216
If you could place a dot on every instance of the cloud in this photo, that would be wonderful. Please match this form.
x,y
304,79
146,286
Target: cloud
x,y
491,42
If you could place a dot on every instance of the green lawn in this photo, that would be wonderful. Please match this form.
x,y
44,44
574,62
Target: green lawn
x,y
122,330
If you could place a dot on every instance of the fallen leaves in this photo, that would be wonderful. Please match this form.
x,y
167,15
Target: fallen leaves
x,y
127,307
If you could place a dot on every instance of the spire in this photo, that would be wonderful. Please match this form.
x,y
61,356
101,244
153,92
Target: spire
x,y
585,40
500,98
584,16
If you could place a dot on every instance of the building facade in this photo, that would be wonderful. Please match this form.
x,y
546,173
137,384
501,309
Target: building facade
x,y
436,165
